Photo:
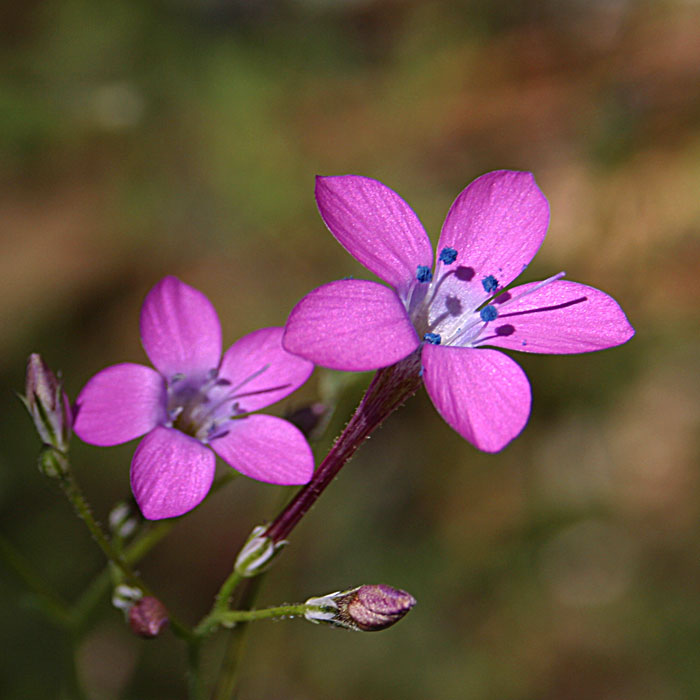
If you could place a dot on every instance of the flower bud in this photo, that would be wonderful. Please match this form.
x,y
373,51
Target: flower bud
x,y
148,617
257,553
368,608
122,520
123,596
47,404
311,419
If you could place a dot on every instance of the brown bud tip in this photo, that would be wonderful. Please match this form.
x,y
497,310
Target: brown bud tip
x,y
378,606
310,419
147,617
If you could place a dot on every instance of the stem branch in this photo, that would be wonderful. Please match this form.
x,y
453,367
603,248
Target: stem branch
x,y
82,509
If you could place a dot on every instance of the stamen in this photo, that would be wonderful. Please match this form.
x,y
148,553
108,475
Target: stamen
x,y
448,255
541,284
233,390
488,313
423,273
432,338
490,284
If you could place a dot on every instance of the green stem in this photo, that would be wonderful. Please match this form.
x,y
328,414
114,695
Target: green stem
x,y
221,604
80,505
51,603
83,510
233,617
228,675
134,553
195,683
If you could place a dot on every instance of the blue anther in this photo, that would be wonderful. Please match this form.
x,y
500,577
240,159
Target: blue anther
x,y
423,273
524,343
488,313
490,284
432,338
448,255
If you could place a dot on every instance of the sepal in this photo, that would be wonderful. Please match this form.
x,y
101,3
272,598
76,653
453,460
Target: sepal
x,y
257,553
52,462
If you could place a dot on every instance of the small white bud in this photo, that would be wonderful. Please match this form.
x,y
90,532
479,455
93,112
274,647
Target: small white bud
x,y
257,553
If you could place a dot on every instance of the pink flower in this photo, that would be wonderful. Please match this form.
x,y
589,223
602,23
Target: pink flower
x,y
492,231
195,400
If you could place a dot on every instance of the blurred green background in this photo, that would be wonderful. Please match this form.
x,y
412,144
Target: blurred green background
x,y
139,139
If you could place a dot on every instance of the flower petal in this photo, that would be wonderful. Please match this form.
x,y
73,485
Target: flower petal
x,y
171,473
496,225
375,226
268,449
482,394
261,371
120,403
180,330
351,325
561,317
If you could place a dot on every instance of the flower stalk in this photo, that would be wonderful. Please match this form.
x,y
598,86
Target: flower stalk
x,y
389,389
312,611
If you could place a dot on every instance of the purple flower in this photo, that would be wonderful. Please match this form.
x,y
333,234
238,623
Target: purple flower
x,y
492,231
193,400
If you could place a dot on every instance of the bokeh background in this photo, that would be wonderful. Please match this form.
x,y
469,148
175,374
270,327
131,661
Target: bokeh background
x,y
139,139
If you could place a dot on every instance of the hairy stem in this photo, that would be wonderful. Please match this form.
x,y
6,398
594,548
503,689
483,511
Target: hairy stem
x,y
388,390
84,512
234,617
134,552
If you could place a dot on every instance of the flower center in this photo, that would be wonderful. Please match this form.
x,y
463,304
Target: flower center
x,y
455,306
204,407
201,407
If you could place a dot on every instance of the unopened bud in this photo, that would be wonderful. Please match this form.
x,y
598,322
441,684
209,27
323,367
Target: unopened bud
x,y
47,404
257,553
311,419
122,520
368,608
123,596
148,617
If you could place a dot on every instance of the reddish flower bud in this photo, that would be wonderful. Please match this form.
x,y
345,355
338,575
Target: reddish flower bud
x,y
368,608
378,607
147,617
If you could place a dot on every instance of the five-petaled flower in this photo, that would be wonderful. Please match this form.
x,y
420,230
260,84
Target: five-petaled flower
x,y
193,400
490,234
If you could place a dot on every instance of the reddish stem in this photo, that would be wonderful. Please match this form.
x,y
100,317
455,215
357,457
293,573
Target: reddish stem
x,y
388,390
